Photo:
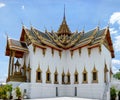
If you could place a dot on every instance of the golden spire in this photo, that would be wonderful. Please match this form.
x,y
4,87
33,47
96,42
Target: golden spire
x,y
64,29
64,14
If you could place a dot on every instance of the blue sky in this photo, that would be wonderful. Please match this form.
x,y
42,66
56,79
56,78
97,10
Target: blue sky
x,y
42,14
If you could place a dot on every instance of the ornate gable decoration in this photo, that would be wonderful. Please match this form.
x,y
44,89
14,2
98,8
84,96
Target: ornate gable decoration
x,y
64,29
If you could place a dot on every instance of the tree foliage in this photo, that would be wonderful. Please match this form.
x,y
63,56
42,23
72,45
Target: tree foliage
x,y
18,92
117,75
4,89
113,93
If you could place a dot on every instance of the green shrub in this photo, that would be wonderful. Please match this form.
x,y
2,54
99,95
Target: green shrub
x,y
18,92
113,93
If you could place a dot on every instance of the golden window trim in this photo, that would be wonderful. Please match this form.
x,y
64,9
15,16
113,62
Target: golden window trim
x,y
52,50
76,82
63,75
86,78
94,81
56,73
85,72
71,52
76,73
79,51
44,51
39,81
95,71
68,75
48,72
105,68
100,49
60,54
68,83
56,82
48,81
37,71
24,65
105,71
28,68
89,51
85,82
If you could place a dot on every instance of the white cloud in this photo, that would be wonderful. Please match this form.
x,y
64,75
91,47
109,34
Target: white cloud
x,y
115,65
116,62
115,18
117,43
114,69
22,7
2,5
113,31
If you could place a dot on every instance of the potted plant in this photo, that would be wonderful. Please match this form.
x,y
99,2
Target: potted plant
x,y
18,93
113,93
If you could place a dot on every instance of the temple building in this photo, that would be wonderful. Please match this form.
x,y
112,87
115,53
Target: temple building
x,y
62,63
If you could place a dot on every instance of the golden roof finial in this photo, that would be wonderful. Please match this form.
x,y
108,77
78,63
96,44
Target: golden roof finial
x,y
64,29
108,24
45,29
64,13
30,25
83,29
98,24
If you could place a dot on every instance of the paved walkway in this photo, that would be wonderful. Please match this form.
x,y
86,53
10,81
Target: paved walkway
x,y
63,98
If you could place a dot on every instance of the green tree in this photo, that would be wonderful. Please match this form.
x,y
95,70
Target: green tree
x,y
3,92
9,89
113,93
4,89
18,92
117,75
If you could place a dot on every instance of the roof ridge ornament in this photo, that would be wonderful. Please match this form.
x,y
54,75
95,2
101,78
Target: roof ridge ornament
x,y
64,13
45,30
108,25
64,29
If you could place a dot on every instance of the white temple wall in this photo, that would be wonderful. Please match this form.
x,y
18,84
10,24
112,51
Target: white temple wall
x,y
66,62
108,59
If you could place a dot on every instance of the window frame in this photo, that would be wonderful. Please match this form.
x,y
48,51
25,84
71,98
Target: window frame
x,y
85,73
39,71
48,78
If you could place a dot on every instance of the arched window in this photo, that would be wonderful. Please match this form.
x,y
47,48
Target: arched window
x,y
94,75
38,74
56,77
76,77
48,74
85,79
68,77
63,77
